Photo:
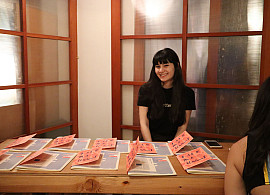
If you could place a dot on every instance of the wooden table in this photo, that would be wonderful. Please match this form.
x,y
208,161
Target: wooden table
x,y
89,181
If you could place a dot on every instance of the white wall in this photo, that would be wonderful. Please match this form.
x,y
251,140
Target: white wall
x,y
94,68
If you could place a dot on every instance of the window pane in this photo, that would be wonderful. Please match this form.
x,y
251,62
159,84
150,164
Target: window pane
x,y
48,17
49,106
232,110
10,97
127,134
48,60
127,104
151,17
224,60
224,16
11,113
11,60
10,15
141,52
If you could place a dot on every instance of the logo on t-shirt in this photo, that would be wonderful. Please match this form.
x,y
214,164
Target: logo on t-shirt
x,y
167,105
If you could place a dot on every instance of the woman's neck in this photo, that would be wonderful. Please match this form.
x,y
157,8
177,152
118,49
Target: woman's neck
x,y
167,85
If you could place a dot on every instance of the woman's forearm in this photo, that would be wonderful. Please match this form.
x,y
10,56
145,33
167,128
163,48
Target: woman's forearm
x,y
144,122
146,133
183,127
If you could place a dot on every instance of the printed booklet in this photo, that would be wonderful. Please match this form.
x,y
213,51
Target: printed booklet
x,y
159,148
151,166
122,146
33,144
9,159
77,144
212,166
47,161
108,160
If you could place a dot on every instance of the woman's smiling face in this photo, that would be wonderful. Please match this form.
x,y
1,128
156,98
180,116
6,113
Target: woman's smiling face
x,y
165,73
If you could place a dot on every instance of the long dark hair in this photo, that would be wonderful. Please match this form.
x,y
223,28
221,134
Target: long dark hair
x,y
177,113
259,128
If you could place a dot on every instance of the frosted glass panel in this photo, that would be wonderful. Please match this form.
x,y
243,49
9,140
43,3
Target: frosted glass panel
x,y
49,106
151,17
128,59
48,60
10,97
10,15
11,60
138,54
232,110
224,16
127,104
224,60
127,134
11,113
47,17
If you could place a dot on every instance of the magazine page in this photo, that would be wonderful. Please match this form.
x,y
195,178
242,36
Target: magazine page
x,y
132,154
87,156
77,144
33,144
145,148
192,158
109,160
62,140
194,145
180,141
162,148
105,143
48,161
151,166
9,160
20,140
122,146
212,166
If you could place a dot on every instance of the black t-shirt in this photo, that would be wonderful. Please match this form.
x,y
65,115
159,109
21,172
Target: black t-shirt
x,y
163,129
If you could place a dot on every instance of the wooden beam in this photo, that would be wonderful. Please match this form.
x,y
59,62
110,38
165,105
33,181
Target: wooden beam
x,y
73,68
265,57
116,68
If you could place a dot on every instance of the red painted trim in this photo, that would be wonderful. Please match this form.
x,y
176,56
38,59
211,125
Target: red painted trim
x,y
40,131
265,57
49,83
10,32
184,40
25,68
12,87
190,35
116,68
73,69
161,36
41,36
199,85
224,34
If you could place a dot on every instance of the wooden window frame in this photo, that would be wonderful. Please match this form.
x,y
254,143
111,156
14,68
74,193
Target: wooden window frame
x,y
73,68
117,82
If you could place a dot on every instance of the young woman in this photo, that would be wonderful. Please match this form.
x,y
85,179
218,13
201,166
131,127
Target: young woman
x,y
165,103
248,163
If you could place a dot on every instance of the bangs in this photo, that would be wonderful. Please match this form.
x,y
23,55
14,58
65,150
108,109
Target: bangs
x,y
161,59
165,56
